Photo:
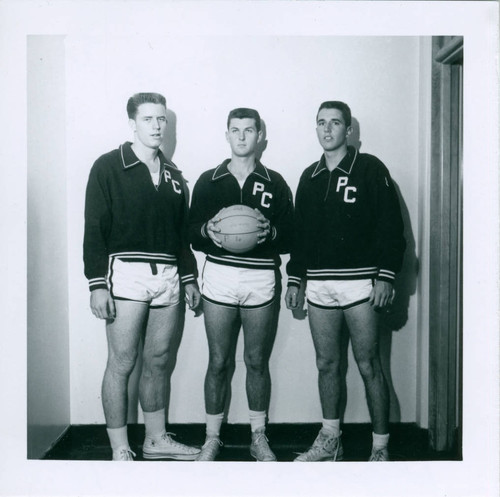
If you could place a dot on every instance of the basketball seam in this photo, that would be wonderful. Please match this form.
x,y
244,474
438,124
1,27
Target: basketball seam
x,y
241,233
237,215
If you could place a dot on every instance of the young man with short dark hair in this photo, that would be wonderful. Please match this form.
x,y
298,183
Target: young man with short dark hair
x,y
139,266
348,247
240,289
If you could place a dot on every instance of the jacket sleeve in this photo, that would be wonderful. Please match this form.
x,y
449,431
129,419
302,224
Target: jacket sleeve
x,y
198,216
391,243
296,268
188,269
282,224
98,220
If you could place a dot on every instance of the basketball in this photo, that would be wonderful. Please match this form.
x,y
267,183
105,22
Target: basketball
x,y
239,230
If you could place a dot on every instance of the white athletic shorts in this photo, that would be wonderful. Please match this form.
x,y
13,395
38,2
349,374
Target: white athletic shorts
x,y
137,281
237,286
338,294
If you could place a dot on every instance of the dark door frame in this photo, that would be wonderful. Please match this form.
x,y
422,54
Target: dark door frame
x,y
445,292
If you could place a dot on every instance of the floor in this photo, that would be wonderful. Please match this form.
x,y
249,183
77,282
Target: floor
x,y
407,442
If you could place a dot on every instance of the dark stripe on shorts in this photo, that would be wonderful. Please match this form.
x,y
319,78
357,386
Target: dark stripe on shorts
x,y
132,300
343,308
110,277
326,307
265,304
354,304
238,306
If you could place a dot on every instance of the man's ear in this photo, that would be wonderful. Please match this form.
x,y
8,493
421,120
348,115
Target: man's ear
x,y
349,131
131,123
260,134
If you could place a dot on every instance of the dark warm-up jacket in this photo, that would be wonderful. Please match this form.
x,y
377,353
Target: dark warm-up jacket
x,y
263,189
348,222
128,217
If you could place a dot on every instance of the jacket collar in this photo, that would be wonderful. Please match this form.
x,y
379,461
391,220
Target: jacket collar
x,y
345,165
129,159
222,170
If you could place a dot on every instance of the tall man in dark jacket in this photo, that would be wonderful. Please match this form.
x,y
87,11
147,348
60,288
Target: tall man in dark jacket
x,y
139,266
240,289
348,248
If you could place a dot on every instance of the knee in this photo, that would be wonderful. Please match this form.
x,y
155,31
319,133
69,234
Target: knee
x,y
122,362
369,367
255,362
328,365
155,363
218,365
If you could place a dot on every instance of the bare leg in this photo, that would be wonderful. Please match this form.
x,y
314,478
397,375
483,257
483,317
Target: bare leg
x,y
259,332
222,325
326,327
123,335
162,325
362,321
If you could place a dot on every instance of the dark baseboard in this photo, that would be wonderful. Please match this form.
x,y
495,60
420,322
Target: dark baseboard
x,y
408,442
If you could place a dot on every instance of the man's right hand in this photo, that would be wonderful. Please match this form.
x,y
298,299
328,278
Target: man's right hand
x,y
292,297
212,228
295,300
102,304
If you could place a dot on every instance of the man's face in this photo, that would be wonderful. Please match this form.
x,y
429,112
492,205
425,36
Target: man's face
x,y
331,129
149,124
243,136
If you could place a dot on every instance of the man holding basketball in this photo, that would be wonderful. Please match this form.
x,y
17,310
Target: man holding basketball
x,y
140,268
240,289
347,249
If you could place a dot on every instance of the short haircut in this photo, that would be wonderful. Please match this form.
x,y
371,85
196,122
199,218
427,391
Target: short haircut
x,y
143,98
336,104
242,113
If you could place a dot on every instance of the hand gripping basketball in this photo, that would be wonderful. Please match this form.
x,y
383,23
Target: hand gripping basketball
x,y
238,228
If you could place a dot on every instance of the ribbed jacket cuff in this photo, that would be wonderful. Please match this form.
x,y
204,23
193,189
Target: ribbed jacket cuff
x,y
188,278
96,283
294,281
386,275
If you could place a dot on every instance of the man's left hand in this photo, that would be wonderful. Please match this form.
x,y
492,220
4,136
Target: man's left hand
x,y
264,224
192,295
382,294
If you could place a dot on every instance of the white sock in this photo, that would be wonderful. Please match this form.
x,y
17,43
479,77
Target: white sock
x,y
380,441
154,423
257,420
118,438
214,422
331,426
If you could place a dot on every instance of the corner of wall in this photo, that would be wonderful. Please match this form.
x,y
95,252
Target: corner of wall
x,y
423,231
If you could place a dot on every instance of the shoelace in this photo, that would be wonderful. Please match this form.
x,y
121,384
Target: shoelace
x,y
167,436
260,440
209,449
331,444
378,455
319,445
211,441
125,454
314,451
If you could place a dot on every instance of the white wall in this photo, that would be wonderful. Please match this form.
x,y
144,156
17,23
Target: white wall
x,y
285,78
48,334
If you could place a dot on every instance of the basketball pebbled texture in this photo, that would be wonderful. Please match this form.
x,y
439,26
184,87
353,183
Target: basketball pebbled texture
x,y
239,230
